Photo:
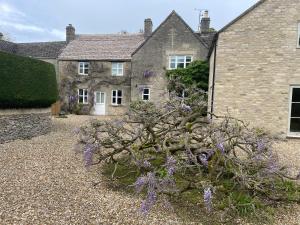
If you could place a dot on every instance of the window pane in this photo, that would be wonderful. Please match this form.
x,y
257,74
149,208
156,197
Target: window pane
x,y
296,95
188,59
102,99
86,64
295,125
85,99
295,112
114,65
145,97
146,91
173,66
119,101
86,71
180,65
180,59
119,93
114,93
114,100
80,91
80,99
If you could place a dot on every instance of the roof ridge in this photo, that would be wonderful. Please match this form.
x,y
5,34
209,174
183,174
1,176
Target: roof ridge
x,y
162,23
242,15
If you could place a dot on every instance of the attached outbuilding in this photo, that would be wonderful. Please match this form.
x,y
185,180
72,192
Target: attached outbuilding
x,y
254,67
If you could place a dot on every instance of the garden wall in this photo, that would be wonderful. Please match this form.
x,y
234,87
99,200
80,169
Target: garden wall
x,y
24,123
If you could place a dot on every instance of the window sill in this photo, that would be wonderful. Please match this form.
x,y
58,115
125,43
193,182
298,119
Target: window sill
x,y
82,74
116,105
293,136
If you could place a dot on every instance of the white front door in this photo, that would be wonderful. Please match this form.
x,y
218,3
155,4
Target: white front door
x,y
100,99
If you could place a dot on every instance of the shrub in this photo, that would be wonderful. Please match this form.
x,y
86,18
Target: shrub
x,y
26,82
196,74
172,149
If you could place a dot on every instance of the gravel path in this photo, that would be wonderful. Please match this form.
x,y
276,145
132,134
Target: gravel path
x,y
42,181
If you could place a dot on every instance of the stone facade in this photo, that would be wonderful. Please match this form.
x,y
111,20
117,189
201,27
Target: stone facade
x,y
99,79
24,124
151,60
257,62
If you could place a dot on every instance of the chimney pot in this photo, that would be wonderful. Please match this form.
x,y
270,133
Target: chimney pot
x,y
205,22
148,27
70,33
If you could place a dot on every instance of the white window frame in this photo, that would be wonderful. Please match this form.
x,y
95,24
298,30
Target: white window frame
x,y
176,61
119,67
143,94
117,97
83,96
83,63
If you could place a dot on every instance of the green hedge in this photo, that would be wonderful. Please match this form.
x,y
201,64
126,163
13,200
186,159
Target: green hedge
x,y
26,82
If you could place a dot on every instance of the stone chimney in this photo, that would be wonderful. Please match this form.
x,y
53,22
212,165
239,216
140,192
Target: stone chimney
x,y
70,33
148,28
1,36
205,22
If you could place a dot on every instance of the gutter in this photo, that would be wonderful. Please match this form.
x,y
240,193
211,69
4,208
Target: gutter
x,y
214,77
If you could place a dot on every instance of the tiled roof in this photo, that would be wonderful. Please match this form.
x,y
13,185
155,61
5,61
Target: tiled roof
x,y
41,49
102,47
207,38
36,50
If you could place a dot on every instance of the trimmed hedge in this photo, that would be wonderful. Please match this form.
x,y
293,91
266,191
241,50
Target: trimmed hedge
x,y
26,82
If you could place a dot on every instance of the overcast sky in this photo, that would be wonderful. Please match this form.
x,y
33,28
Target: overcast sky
x,y
45,20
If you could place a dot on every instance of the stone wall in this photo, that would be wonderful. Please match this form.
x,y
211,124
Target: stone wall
x,y
173,37
24,124
257,61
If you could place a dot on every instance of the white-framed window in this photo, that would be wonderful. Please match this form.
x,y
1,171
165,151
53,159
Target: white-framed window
x,y
298,37
116,97
146,94
117,69
294,112
83,68
83,96
179,61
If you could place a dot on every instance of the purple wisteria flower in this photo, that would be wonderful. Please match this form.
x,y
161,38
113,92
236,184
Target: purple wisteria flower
x,y
148,73
72,99
143,164
140,184
221,147
152,185
171,165
88,154
203,159
260,145
186,108
207,197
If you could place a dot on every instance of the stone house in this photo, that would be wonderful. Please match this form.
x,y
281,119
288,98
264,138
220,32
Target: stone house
x,y
172,45
254,72
102,74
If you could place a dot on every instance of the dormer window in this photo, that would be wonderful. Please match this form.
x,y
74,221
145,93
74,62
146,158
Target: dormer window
x,y
179,61
83,68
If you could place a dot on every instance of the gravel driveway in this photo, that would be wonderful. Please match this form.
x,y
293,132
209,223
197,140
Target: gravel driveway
x,y
42,181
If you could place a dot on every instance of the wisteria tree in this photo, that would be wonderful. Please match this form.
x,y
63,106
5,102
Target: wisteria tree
x,y
174,148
